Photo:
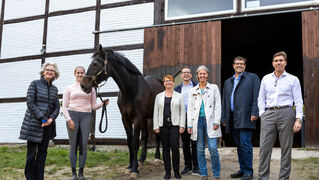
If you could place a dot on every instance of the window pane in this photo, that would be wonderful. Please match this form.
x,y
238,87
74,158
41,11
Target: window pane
x,y
261,3
191,7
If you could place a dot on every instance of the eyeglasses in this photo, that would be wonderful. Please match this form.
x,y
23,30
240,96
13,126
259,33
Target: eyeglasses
x,y
50,70
168,80
241,64
186,72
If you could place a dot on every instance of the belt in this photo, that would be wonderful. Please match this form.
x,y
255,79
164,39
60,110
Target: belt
x,y
277,107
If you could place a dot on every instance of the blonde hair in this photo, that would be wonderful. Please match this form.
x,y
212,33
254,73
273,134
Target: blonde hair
x,y
56,69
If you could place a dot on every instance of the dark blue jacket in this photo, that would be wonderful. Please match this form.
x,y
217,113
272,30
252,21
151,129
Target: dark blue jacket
x,y
179,87
43,103
245,101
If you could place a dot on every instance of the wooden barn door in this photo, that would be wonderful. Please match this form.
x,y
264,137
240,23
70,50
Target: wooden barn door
x,y
310,43
167,49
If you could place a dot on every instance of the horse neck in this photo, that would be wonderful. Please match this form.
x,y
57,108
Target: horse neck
x,y
125,80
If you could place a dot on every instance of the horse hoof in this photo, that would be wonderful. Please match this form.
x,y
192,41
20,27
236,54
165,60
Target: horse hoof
x,y
140,163
158,161
127,171
133,175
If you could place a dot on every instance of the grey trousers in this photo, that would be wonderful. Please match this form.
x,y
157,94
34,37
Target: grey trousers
x,y
79,136
275,122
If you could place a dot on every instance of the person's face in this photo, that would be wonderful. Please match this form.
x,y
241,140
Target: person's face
x,y
239,66
79,74
279,63
186,74
202,76
168,83
49,72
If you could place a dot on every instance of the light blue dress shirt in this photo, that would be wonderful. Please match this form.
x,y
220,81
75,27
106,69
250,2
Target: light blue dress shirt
x,y
232,94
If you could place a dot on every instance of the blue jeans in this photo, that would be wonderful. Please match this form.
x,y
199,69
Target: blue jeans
x,y
212,146
242,138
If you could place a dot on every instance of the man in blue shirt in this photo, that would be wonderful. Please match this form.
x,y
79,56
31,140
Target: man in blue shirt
x,y
239,112
190,158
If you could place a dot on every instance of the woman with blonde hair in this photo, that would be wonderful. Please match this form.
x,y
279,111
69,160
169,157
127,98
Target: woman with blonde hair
x,y
77,109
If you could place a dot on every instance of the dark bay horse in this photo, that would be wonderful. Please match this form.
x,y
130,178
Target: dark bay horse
x,y
135,101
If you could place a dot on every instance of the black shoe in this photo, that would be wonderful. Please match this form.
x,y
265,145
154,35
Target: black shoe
x,y
81,175
237,175
177,175
247,177
74,174
196,172
186,171
167,176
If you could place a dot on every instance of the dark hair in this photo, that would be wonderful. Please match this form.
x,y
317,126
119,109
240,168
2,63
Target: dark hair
x,y
280,53
240,59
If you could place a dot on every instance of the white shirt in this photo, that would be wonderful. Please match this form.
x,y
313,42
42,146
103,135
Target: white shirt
x,y
282,91
185,91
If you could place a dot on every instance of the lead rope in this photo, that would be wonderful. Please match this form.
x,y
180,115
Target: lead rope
x,y
103,112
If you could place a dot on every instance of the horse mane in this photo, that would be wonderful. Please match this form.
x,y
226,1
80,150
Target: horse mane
x,y
126,63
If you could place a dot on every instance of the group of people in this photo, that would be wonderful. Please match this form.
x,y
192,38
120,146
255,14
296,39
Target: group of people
x,y
192,110
196,110
43,107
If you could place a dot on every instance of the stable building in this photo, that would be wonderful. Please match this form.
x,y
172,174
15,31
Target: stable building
x,y
159,37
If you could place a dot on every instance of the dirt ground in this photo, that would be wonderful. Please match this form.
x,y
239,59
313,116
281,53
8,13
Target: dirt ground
x,y
229,164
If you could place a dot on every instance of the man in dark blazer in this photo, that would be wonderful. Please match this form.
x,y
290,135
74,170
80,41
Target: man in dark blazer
x,y
190,158
239,112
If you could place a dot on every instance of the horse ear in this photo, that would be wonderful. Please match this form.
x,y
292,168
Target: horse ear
x,y
101,51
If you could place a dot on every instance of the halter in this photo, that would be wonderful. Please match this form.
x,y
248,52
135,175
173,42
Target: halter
x,y
94,76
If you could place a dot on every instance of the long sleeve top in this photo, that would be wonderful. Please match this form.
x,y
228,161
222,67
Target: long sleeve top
x,y
76,100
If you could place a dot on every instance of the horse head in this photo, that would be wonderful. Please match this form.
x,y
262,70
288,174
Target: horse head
x,y
99,70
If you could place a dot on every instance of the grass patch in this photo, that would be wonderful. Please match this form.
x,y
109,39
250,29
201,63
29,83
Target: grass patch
x,y
12,162
308,168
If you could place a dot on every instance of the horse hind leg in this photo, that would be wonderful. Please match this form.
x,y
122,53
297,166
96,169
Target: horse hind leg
x,y
144,146
157,150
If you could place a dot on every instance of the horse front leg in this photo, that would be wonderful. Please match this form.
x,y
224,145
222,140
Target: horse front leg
x,y
144,146
129,134
135,146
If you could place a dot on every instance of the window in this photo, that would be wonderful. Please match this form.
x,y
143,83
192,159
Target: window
x,y
181,9
248,5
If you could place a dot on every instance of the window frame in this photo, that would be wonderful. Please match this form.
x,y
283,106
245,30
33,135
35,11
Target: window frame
x,y
166,18
278,6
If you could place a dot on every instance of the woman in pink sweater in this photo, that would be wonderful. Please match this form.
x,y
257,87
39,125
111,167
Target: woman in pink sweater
x,y
77,109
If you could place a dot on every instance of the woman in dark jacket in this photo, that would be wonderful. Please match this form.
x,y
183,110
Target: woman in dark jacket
x,y
38,126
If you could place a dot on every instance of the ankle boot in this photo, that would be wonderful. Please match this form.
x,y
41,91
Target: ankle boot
x,y
81,175
73,174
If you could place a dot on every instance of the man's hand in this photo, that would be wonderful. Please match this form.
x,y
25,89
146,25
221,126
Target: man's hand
x,y
156,131
297,126
253,118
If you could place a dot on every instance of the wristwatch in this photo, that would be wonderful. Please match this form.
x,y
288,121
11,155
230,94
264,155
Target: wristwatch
x,y
300,120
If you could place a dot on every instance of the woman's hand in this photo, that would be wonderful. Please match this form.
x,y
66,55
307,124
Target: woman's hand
x,y
156,131
190,130
181,130
49,121
216,126
71,124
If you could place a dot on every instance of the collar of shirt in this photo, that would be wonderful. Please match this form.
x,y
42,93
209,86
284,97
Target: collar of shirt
x,y
283,75
189,84
234,77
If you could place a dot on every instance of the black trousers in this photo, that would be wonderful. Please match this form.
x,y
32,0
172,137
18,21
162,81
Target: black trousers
x,y
190,158
36,156
170,141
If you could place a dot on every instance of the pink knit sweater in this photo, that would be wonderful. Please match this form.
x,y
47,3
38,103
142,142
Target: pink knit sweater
x,y
76,100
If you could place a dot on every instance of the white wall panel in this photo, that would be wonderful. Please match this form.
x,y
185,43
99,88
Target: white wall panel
x,y
127,16
115,126
22,39
71,32
11,117
17,76
23,8
59,5
112,1
136,57
61,131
